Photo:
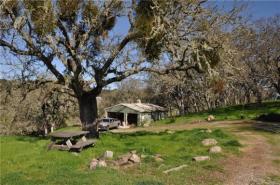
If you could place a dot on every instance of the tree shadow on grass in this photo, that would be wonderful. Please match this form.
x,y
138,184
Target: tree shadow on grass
x,y
140,133
30,139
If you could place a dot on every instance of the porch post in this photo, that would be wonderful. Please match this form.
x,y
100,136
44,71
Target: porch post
x,y
139,119
125,119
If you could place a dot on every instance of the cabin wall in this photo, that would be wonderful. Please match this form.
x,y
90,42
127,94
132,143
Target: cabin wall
x,y
142,118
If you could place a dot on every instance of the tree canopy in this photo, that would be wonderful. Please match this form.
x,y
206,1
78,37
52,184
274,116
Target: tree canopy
x,y
163,36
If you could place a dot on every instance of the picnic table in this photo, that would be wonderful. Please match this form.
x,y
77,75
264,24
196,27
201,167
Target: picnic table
x,y
70,140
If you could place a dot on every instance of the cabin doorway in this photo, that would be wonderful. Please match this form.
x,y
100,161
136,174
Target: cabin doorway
x,y
132,119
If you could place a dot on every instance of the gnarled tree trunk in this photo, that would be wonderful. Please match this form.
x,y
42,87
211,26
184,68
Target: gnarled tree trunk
x,y
88,112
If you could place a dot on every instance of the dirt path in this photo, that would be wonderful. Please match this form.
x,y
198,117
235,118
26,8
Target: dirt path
x,y
254,164
251,167
188,126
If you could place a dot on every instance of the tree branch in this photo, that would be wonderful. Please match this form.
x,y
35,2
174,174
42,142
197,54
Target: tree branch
x,y
14,49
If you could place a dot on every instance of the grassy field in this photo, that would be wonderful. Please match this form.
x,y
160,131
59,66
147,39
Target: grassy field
x,y
25,160
249,111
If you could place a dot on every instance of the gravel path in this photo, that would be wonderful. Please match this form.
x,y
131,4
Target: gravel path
x,y
254,164
186,126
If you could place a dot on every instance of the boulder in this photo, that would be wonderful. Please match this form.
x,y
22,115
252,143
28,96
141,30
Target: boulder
x,y
215,149
108,154
210,118
209,142
201,158
101,163
97,163
93,164
134,158
123,160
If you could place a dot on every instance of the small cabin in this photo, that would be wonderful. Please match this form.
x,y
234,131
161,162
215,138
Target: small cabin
x,y
136,113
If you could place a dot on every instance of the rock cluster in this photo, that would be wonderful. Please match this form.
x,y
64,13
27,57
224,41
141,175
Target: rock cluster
x,y
128,159
214,149
123,160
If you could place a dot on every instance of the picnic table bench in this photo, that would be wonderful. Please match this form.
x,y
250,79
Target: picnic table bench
x,y
70,140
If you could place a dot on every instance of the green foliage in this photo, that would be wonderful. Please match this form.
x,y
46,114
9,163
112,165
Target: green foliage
x,y
42,16
25,160
144,24
11,5
68,10
108,20
90,11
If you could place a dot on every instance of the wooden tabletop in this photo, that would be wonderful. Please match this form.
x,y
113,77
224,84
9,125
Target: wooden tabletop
x,y
68,134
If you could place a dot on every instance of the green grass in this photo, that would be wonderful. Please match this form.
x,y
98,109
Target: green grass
x,y
249,111
25,160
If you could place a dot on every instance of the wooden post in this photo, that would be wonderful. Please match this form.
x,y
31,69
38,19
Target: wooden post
x,y
139,120
125,119
69,144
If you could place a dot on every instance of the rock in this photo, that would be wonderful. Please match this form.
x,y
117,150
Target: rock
x,y
209,142
108,154
201,158
93,164
210,118
170,132
101,163
97,163
123,160
175,169
134,158
215,149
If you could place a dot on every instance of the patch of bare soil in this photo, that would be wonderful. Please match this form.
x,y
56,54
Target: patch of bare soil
x,y
188,126
255,163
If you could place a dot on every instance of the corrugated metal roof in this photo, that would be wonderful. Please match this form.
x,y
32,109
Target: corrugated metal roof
x,y
140,107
